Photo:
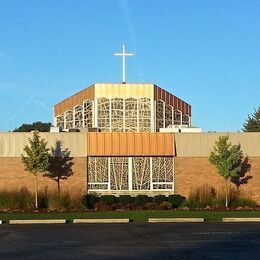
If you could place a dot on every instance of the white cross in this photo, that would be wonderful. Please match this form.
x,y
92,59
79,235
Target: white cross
x,y
123,54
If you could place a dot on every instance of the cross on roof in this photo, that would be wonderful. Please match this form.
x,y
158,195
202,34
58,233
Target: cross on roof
x,y
123,54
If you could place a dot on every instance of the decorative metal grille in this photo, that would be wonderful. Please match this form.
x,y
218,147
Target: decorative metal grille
x,y
68,119
78,116
141,173
162,172
185,120
177,117
119,173
131,115
88,113
144,115
159,115
117,115
98,173
168,115
60,121
104,114
113,173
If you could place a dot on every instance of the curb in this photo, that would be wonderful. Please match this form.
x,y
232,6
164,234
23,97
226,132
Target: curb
x,y
1,222
38,221
175,220
240,219
101,220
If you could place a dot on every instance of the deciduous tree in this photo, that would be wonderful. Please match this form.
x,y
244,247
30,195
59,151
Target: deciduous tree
x,y
36,159
60,164
228,159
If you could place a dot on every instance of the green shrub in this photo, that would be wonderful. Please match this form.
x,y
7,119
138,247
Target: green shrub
x,y
109,199
176,200
125,199
90,200
142,199
160,199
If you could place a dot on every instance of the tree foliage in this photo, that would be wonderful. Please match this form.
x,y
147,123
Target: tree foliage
x,y
252,123
36,158
60,166
36,126
227,158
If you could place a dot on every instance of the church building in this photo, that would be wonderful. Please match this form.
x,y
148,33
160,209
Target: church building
x,y
122,138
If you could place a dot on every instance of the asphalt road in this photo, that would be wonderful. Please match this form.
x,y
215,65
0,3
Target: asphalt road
x,y
131,241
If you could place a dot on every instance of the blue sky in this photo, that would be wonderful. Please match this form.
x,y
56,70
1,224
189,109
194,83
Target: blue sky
x,y
205,52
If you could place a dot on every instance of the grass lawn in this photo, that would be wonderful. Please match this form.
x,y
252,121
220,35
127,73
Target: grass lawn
x,y
137,216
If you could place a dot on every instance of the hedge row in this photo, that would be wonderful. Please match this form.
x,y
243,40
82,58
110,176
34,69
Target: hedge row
x,y
90,200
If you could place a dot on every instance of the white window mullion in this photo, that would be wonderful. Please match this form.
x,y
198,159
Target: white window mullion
x,y
95,113
110,115
109,171
151,173
130,173
138,115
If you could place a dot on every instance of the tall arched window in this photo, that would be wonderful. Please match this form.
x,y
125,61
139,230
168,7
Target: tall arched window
x,y
177,117
68,119
60,121
78,116
159,115
117,115
87,113
131,115
144,109
185,120
103,114
168,115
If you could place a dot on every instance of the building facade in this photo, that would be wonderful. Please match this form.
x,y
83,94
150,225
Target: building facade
x,y
132,163
128,155
122,108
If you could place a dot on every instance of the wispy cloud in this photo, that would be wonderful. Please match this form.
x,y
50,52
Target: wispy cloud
x,y
42,105
18,111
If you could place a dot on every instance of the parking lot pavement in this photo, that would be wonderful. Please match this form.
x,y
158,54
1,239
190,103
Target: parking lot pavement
x,y
131,241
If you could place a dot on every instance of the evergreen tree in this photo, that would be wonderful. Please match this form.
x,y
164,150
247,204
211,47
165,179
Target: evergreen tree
x,y
252,124
36,159
228,159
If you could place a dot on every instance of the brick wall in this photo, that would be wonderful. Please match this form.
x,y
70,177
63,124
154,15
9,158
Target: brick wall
x,y
13,176
191,172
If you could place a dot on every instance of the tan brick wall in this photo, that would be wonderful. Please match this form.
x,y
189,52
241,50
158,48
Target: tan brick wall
x,y
191,172
13,176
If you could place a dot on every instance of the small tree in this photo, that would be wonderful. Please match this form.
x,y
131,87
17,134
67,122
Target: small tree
x,y
60,164
36,159
228,159
252,124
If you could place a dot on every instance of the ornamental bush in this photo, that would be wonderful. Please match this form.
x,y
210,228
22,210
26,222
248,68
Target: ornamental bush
x,y
176,200
89,201
109,199
160,199
142,199
125,199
